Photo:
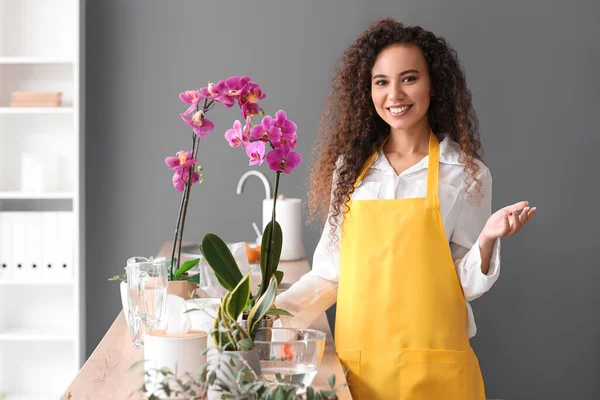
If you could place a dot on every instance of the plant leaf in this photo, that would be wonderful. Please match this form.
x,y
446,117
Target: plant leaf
x,y
245,344
220,259
262,305
238,298
279,276
186,267
332,381
278,311
276,250
194,278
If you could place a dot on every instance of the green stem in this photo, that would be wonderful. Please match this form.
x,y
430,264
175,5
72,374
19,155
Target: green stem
x,y
184,201
171,272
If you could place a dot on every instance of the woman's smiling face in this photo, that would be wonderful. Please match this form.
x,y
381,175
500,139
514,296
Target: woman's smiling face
x,y
400,86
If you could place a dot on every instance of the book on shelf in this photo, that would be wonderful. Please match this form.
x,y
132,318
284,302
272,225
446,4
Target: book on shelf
x,y
36,99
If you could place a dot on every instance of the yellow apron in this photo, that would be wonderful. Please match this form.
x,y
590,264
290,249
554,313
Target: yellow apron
x,y
401,323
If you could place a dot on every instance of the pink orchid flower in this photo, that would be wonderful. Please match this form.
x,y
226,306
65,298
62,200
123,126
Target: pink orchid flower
x,y
250,109
191,97
283,160
251,93
230,89
246,132
181,176
200,125
209,92
184,159
236,137
256,152
266,131
287,128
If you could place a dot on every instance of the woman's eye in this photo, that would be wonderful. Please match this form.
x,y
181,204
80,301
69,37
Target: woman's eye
x,y
409,79
380,83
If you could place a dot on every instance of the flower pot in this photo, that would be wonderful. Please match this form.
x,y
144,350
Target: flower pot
x,y
184,289
226,373
266,322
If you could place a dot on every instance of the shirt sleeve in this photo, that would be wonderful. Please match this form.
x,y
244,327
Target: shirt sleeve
x,y
316,291
464,244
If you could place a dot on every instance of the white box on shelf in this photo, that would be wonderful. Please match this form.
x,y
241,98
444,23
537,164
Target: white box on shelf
x,y
6,267
39,172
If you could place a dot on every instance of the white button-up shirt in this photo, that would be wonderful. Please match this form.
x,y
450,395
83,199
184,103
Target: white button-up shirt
x,y
464,215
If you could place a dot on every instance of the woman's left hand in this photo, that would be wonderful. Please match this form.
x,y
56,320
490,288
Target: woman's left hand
x,y
507,221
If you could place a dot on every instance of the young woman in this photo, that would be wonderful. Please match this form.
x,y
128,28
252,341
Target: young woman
x,y
409,238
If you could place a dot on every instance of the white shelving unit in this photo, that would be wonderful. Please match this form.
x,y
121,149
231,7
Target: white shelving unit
x,y
42,324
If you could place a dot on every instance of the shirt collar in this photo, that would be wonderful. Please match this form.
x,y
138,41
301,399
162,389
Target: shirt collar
x,y
449,154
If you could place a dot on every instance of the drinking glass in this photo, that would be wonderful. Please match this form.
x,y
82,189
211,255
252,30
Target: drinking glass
x,y
147,282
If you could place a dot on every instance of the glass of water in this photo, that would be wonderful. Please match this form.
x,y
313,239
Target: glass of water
x,y
294,354
147,282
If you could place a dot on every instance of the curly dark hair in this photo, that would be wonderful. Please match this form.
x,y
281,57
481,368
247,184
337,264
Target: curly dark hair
x,y
350,126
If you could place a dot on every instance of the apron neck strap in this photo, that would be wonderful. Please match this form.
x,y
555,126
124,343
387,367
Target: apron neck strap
x,y
433,168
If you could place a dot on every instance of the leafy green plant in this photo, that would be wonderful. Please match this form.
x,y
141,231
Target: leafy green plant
x,y
221,374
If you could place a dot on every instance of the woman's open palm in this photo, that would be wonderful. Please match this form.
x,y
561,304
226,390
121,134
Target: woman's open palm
x,y
507,221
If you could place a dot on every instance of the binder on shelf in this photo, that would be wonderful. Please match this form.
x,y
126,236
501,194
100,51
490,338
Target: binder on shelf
x,y
65,246
33,245
57,245
6,267
19,246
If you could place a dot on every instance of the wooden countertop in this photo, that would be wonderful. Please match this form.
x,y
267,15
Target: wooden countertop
x,y
106,375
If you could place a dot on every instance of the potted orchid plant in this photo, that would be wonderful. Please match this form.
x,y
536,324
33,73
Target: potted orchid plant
x,y
272,139
278,133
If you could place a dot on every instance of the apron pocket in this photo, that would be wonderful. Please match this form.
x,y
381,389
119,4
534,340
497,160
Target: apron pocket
x,y
427,374
350,360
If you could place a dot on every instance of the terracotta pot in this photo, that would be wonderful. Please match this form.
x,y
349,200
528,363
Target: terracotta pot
x,y
184,289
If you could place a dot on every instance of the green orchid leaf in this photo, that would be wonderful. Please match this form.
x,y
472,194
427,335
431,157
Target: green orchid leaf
x,y
278,311
238,298
263,304
186,267
220,259
276,243
279,276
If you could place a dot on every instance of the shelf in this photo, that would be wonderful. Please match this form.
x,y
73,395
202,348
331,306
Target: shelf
x,y
35,335
29,396
36,196
36,283
34,60
36,110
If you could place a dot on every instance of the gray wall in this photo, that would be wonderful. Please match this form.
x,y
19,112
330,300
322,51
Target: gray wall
x,y
532,68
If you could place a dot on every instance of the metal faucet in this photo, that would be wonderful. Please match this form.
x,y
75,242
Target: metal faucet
x,y
265,181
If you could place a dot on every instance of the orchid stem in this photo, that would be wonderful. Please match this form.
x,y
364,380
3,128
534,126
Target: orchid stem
x,y
184,203
173,263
